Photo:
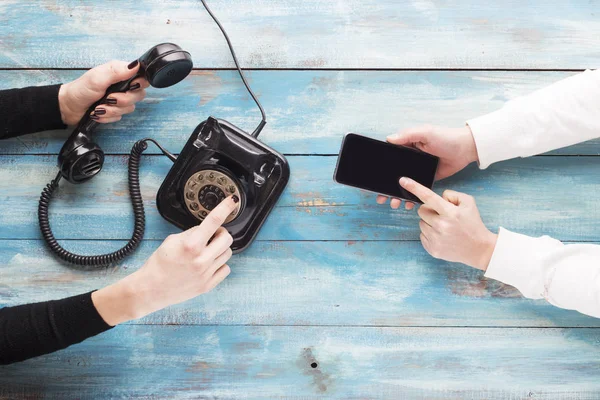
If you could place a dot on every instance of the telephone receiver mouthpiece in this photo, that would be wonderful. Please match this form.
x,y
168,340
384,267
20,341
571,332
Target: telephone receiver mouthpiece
x,y
164,65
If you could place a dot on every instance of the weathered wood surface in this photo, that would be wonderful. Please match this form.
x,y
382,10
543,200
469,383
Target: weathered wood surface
x,y
522,195
302,283
308,112
307,34
334,279
229,362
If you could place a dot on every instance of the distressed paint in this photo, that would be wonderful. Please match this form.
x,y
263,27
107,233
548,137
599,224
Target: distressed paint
x,y
367,315
237,362
515,194
308,112
307,34
301,283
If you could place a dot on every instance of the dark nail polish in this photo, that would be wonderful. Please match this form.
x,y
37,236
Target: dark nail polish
x,y
99,111
111,101
235,199
133,64
134,86
94,117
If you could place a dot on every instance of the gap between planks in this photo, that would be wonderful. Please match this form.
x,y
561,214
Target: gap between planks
x,y
285,154
277,241
335,69
528,327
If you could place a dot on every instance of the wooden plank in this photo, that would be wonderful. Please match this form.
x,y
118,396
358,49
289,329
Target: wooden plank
x,y
307,34
314,363
520,195
302,283
308,112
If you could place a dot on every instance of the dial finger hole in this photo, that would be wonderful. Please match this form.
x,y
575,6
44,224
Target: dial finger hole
x,y
206,189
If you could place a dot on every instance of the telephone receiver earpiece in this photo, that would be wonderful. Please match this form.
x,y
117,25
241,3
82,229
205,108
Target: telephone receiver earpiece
x,y
80,159
165,65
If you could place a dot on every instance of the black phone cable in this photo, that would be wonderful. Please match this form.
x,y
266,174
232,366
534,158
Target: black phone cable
x,y
138,211
262,112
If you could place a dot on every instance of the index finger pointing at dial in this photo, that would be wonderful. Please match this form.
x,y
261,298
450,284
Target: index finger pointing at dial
x,y
426,195
213,221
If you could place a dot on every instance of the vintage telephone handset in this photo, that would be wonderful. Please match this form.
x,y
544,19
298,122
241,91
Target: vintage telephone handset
x,y
219,159
80,159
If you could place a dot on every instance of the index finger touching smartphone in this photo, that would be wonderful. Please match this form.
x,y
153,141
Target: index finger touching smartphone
x,y
426,195
214,220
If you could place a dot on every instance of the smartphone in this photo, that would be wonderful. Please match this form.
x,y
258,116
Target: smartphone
x,y
377,166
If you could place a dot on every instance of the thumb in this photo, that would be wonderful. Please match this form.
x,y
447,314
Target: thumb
x,y
411,136
102,76
456,198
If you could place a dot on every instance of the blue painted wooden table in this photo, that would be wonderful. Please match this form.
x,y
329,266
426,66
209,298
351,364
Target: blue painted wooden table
x,y
336,298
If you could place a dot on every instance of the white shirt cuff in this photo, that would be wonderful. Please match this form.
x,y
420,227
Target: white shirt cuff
x,y
488,132
514,263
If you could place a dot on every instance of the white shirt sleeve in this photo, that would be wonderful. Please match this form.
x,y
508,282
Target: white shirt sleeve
x,y
559,115
562,114
567,276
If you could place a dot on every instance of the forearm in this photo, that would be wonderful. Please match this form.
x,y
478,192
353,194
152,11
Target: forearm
x,y
567,276
562,114
135,296
29,110
31,330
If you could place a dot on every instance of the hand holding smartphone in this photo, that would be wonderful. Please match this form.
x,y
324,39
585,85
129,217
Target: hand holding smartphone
x,y
377,166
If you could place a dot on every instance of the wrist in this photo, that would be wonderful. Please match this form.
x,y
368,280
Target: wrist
x,y
484,251
119,302
66,114
470,149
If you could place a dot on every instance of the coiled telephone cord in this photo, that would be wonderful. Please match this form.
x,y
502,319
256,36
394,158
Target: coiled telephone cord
x,y
138,211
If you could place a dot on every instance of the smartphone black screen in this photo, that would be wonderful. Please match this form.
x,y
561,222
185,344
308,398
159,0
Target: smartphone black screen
x,y
377,166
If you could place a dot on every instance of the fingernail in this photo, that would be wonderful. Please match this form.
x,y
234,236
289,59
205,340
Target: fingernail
x,y
133,64
111,101
392,137
235,199
99,111
404,181
94,117
134,86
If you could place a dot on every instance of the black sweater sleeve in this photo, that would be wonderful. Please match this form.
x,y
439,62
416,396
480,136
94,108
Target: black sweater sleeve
x,y
29,110
31,330
34,329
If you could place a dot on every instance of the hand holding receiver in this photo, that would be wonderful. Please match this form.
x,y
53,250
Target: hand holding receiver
x,y
163,65
76,97
455,148
185,265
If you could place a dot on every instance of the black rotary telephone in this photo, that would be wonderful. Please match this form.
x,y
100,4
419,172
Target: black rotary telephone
x,y
218,160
